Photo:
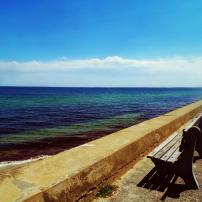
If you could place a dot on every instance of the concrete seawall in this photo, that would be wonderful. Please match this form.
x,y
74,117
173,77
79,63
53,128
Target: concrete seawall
x,y
73,174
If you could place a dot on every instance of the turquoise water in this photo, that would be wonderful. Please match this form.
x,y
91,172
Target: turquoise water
x,y
34,114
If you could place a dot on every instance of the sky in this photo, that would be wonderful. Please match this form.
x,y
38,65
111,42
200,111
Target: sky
x,y
106,43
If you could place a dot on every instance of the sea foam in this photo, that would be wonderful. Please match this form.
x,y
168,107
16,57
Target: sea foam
x,y
5,164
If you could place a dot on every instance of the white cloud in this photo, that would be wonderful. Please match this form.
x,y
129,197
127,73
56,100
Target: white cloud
x,y
176,64
110,71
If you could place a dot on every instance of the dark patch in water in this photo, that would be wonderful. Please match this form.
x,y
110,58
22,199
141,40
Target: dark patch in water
x,y
46,146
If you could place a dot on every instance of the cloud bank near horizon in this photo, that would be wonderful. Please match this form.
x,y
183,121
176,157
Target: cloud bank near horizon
x,y
111,62
164,71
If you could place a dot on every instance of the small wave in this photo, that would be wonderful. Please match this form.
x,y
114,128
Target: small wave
x,y
4,164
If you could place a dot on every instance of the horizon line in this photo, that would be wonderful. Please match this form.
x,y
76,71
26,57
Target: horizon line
x,y
19,86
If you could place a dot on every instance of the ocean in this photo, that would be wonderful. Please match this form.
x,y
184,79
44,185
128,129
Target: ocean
x,y
37,121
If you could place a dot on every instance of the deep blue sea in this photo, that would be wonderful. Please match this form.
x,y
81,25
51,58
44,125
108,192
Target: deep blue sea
x,y
36,114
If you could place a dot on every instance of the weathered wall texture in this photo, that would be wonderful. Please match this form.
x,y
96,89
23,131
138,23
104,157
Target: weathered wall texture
x,y
69,175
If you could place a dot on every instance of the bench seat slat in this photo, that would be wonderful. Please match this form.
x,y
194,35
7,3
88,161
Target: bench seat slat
x,y
168,147
171,151
162,145
174,156
163,148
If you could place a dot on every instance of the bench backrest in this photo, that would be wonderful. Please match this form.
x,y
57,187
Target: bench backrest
x,y
189,140
199,123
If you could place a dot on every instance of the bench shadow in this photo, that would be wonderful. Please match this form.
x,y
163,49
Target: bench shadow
x,y
163,180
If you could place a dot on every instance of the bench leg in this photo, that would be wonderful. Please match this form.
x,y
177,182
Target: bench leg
x,y
198,147
185,163
184,169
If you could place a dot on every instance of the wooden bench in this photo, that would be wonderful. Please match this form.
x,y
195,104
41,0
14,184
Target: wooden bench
x,y
177,151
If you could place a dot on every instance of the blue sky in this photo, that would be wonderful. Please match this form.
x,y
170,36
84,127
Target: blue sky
x,y
101,42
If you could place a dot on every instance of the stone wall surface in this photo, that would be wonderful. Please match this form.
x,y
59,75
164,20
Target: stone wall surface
x,y
72,174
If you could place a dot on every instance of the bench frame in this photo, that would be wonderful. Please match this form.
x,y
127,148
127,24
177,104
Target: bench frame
x,y
181,161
